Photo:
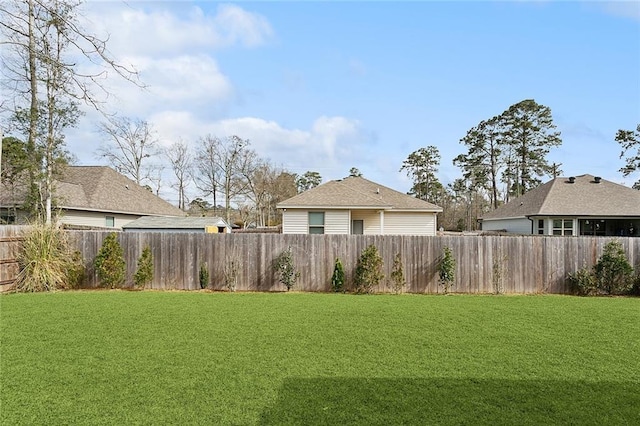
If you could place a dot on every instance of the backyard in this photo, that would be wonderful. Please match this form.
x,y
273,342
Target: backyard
x,y
124,357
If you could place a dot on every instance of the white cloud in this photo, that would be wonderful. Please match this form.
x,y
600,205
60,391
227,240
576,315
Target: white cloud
x,y
136,31
338,136
194,81
237,26
331,145
624,9
172,50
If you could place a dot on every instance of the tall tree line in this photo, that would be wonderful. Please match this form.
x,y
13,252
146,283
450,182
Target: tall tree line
x,y
506,156
629,141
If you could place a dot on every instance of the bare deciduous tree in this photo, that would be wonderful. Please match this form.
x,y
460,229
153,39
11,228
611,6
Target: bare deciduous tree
x,y
129,145
181,164
223,166
45,86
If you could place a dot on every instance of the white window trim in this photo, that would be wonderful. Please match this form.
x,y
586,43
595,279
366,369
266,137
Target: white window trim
x,y
323,226
562,227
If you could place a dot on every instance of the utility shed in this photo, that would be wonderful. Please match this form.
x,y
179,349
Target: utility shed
x,y
208,225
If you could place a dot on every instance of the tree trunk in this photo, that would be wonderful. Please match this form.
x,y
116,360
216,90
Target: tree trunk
x,y
33,108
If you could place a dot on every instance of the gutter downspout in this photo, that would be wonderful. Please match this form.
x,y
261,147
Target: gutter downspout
x,y
532,222
381,222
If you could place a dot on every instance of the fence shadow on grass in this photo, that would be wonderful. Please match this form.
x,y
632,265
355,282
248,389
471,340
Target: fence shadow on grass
x,y
333,401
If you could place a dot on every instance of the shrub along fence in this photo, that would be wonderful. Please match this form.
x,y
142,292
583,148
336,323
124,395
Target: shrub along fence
x,y
484,264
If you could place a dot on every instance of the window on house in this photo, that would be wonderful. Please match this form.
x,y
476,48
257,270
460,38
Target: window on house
x,y
562,226
110,222
540,226
7,218
316,222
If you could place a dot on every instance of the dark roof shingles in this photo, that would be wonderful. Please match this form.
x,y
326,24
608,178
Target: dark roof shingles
x,y
356,192
583,197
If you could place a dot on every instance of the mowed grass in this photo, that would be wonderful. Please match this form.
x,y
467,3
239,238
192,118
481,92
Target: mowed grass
x,y
117,357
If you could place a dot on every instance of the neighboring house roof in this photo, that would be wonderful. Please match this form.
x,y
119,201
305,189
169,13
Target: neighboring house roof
x,y
583,197
100,188
159,222
356,192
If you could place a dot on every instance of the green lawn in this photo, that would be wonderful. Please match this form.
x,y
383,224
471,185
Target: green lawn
x,y
117,357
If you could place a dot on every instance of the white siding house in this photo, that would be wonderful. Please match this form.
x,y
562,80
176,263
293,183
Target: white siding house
x,y
355,205
92,197
515,225
395,223
580,205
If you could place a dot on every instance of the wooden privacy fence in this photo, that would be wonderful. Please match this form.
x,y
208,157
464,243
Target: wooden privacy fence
x,y
485,264
10,237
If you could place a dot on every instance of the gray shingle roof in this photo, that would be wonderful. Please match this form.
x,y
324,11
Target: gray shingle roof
x,y
159,222
584,197
100,188
356,193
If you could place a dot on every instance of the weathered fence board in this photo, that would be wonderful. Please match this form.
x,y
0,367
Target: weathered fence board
x,y
10,237
485,264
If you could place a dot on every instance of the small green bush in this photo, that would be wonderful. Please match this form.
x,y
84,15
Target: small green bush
x,y
447,270
635,290
337,279
369,270
46,260
110,264
285,269
203,275
76,270
231,274
144,272
397,275
583,282
613,272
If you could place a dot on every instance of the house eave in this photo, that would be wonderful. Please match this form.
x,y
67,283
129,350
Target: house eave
x,y
87,209
580,216
333,207
505,218
386,208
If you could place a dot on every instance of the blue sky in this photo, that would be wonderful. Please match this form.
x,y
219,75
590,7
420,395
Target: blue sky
x,y
326,86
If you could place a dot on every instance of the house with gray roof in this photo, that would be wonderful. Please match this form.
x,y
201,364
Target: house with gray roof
x,y
355,205
209,225
94,197
577,205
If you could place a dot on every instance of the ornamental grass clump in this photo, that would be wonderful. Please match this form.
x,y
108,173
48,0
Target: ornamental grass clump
x,y
47,261
110,264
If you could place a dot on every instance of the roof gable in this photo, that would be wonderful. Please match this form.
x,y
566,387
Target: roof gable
x,y
98,188
356,192
583,197
102,188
